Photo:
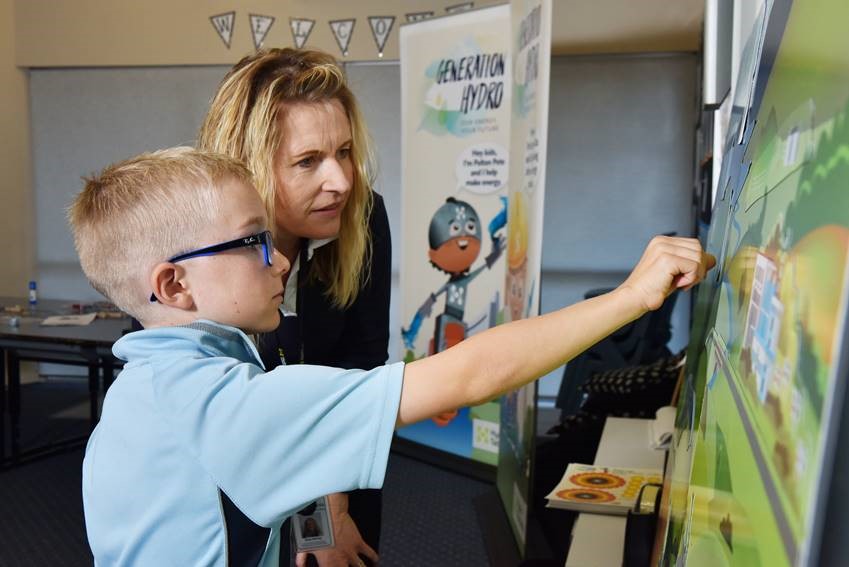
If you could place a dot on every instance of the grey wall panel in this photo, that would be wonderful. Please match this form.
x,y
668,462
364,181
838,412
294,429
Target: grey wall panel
x,y
378,88
620,147
84,119
620,158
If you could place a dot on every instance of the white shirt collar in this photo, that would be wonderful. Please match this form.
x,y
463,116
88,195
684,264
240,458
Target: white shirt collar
x,y
290,294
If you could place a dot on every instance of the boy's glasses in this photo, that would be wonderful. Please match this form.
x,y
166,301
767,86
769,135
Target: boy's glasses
x,y
261,239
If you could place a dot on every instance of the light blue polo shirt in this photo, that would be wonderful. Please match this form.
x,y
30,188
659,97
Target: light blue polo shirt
x,y
193,412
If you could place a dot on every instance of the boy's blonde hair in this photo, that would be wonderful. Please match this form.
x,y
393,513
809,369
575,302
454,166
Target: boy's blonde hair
x,y
143,211
244,122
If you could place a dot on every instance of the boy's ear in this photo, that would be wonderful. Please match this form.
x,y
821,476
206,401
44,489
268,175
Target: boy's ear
x,y
169,285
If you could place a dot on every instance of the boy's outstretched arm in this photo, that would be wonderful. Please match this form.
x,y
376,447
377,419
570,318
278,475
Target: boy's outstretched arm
x,y
506,357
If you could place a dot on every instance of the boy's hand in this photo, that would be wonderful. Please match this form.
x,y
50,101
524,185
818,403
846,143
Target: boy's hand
x,y
668,264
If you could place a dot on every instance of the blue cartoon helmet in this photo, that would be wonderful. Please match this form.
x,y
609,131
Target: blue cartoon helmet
x,y
454,218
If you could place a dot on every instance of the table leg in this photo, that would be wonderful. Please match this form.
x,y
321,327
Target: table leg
x,y
93,390
108,373
2,405
14,369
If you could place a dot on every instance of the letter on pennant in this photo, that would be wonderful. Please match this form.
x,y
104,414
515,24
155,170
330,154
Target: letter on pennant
x,y
259,28
380,28
223,24
342,31
301,28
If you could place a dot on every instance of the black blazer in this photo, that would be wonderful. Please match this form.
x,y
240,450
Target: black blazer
x,y
356,337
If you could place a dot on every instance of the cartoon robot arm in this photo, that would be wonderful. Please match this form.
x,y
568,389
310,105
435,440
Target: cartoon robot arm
x,y
498,246
423,312
499,221
496,225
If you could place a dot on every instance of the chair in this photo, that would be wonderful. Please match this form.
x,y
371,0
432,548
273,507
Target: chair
x,y
642,341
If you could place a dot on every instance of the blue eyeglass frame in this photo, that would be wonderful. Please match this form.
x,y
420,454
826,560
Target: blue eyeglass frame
x,y
263,238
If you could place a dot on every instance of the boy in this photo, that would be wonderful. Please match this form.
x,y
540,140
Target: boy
x,y
190,464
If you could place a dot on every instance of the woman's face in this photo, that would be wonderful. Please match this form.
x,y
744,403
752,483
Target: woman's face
x,y
313,171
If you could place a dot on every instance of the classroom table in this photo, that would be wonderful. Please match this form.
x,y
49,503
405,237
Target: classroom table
x,y
89,346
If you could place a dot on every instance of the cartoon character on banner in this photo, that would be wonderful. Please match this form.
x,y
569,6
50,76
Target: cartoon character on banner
x,y
518,296
455,239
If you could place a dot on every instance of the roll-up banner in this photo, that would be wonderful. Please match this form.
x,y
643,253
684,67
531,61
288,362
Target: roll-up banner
x,y
455,132
530,38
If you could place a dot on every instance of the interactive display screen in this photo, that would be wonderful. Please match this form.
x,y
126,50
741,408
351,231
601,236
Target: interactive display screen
x,y
754,415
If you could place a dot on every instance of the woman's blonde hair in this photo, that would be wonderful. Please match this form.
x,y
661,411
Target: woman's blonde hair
x,y
244,122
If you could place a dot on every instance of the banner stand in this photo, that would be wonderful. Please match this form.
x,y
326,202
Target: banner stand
x,y
499,542
455,122
500,545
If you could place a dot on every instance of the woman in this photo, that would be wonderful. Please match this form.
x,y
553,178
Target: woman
x,y
290,116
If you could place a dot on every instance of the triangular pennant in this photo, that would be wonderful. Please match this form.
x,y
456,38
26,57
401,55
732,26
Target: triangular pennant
x,y
459,7
380,28
418,16
259,28
223,24
301,28
342,31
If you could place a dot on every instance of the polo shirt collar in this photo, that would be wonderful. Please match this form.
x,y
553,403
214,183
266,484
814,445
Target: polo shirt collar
x,y
207,337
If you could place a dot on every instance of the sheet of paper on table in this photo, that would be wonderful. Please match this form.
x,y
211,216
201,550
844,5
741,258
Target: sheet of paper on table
x,y
69,320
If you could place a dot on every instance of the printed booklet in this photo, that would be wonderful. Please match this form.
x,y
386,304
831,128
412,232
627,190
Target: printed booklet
x,y
601,490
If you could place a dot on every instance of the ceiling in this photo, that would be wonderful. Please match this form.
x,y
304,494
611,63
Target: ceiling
x,y
626,26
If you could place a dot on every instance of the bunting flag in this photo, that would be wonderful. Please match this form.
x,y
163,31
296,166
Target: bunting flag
x,y
301,29
342,31
223,24
459,7
380,28
418,16
259,28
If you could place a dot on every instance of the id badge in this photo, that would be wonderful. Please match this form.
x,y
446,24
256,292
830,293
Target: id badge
x,y
312,528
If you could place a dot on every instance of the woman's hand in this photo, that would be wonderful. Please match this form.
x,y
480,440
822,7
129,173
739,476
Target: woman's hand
x,y
349,545
667,264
